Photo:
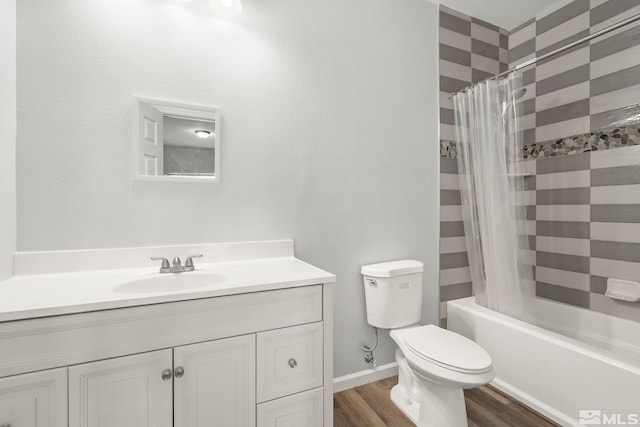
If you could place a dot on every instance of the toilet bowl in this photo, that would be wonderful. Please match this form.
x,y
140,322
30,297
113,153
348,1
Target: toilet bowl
x,y
434,364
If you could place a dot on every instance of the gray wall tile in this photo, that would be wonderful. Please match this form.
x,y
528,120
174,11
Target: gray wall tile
x,y
479,75
616,250
447,116
561,15
620,175
575,230
485,49
578,264
449,197
562,80
453,54
451,229
610,9
450,85
564,196
448,165
454,260
598,284
563,43
615,213
462,290
530,182
529,76
504,41
619,117
614,44
614,81
522,50
454,23
529,136
565,295
563,112
564,164
485,24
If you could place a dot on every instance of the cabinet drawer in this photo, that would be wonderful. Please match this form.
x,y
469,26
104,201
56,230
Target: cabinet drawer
x,y
300,410
289,361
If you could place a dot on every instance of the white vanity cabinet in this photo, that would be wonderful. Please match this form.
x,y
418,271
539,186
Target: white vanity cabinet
x,y
38,399
244,360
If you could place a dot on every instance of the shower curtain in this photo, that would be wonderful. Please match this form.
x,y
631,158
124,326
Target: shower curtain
x,y
492,191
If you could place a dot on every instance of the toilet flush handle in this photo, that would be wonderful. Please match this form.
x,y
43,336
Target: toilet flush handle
x,y
372,282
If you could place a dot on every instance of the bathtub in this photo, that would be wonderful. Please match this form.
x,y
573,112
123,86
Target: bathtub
x,y
573,359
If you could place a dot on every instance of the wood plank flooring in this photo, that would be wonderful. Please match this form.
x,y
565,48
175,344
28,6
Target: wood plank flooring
x,y
370,406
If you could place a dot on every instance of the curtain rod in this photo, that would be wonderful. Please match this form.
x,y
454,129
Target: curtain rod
x,y
533,61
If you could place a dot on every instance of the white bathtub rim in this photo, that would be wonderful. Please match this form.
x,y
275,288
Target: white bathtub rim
x,y
468,304
533,403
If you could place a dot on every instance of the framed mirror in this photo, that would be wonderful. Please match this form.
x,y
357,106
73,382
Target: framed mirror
x,y
175,141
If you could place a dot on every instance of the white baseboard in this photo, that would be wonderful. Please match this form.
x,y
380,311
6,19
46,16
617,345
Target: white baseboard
x,y
365,377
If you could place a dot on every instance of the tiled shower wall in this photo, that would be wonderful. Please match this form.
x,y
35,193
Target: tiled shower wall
x,y
587,227
470,50
581,109
587,88
585,208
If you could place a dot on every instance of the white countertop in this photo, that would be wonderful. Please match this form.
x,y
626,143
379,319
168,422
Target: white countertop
x,y
42,295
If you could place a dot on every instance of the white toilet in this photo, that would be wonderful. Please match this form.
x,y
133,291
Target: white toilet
x,y
434,364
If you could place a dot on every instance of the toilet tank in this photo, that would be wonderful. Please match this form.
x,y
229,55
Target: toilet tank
x,y
393,293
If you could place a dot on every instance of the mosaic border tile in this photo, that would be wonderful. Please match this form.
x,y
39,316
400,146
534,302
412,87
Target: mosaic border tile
x,y
448,149
613,137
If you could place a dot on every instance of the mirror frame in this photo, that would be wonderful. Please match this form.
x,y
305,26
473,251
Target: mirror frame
x,y
178,109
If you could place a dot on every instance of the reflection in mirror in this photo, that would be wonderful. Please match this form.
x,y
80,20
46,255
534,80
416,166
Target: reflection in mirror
x,y
176,142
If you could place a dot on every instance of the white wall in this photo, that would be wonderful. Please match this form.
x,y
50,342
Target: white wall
x,y
329,133
7,136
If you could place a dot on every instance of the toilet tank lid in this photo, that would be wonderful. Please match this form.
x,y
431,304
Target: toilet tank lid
x,y
392,268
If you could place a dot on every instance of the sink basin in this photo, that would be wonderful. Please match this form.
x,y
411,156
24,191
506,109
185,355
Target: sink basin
x,y
171,282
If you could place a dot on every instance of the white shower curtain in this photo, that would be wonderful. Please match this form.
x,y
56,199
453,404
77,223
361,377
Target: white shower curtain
x,y
492,191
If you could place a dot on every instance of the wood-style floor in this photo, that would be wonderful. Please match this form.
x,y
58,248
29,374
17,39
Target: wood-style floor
x,y
370,406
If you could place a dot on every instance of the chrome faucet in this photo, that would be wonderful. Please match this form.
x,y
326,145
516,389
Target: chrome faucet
x,y
177,266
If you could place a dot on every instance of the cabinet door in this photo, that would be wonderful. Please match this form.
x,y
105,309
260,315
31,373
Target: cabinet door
x,y
217,387
123,392
34,400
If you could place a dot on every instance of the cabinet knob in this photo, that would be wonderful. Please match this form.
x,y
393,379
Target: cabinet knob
x,y
166,376
179,372
293,363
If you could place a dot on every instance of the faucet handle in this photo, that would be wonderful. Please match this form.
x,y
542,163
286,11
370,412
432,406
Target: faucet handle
x,y
177,262
165,267
188,265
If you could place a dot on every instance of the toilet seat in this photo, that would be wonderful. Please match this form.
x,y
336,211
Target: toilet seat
x,y
446,349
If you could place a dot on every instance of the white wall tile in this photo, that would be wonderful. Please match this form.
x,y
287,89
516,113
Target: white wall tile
x,y
563,245
454,276
450,213
562,129
624,156
615,269
615,195
563,96
456,71
573,179
485,64
576,213
616,232
455,39
452,245
615,99
480,32
563,63
449,181
616,62
523,35
563,31
566,279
